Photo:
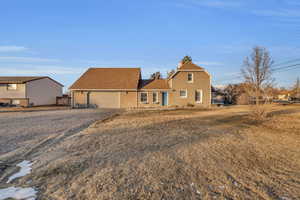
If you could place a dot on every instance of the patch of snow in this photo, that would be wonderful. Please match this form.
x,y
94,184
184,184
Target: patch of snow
x,y
222,187
235,183
18,193
197,191
25,169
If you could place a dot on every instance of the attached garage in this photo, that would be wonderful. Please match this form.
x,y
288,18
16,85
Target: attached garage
x,y
105,99
106,88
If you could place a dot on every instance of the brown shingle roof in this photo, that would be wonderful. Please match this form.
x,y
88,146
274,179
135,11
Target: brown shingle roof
x,y
154,84
22,79
187,67
190,66
108,78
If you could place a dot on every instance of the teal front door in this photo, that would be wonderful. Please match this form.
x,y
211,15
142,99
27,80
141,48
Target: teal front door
x,y
164,101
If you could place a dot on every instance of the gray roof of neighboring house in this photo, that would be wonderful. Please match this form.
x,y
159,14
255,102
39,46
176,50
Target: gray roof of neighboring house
x,y
22,79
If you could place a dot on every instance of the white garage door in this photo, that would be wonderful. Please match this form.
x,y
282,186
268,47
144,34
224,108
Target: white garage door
x,y
105,99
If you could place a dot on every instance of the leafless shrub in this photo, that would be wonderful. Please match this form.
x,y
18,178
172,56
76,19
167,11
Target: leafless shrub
x,y
258,113
257,75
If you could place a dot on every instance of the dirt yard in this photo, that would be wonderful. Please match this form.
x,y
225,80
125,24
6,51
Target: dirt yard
x,y
19,129
180,154
32,109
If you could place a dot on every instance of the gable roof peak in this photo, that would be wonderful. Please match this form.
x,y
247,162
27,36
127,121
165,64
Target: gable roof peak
x,y
189,66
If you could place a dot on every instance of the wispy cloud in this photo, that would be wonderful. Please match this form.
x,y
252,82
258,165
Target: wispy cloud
x,y
220,86
26,59
110,63
208,63
293,2
12,48
279,51
41,70
218,3
291,13
210,3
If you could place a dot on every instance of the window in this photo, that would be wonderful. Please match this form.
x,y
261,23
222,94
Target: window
x,y
144,97
198,96
183,93
155,97
190,77
11,86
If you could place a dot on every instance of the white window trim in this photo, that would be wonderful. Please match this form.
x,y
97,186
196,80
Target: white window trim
x,y
13,88
186,93
192,81
157,100
201,97
141,97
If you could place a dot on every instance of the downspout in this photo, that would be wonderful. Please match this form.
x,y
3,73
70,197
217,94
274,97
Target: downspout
x,y
26,95
72,99
87,99
137,98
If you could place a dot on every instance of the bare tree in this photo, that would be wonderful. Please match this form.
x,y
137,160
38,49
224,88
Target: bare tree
x,y
233,92
296,89
257,72
156,75
187,59
170,73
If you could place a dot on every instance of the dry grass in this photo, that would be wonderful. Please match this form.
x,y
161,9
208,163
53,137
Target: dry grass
x,y
180,154
258,113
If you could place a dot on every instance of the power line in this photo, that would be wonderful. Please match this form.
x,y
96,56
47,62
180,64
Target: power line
x,y
279,68
275,70
285,67
239,75
289,69
231,78
286,62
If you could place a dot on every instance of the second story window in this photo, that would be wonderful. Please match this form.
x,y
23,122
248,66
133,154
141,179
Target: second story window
x,y
190,77
11,86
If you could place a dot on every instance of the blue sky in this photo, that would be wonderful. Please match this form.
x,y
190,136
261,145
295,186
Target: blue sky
x,y
63,38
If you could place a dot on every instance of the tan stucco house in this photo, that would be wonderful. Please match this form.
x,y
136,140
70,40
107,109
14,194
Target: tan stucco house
x,y
125,88
29,91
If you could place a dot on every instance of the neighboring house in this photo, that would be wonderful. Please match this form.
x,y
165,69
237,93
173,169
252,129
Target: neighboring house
x,y
29,91
218,96
124,88
283,95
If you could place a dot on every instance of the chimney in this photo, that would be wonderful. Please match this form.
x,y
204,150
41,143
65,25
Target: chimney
x,y
179,65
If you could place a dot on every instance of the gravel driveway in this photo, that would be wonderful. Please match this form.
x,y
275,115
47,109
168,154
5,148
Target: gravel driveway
x,y
18,128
